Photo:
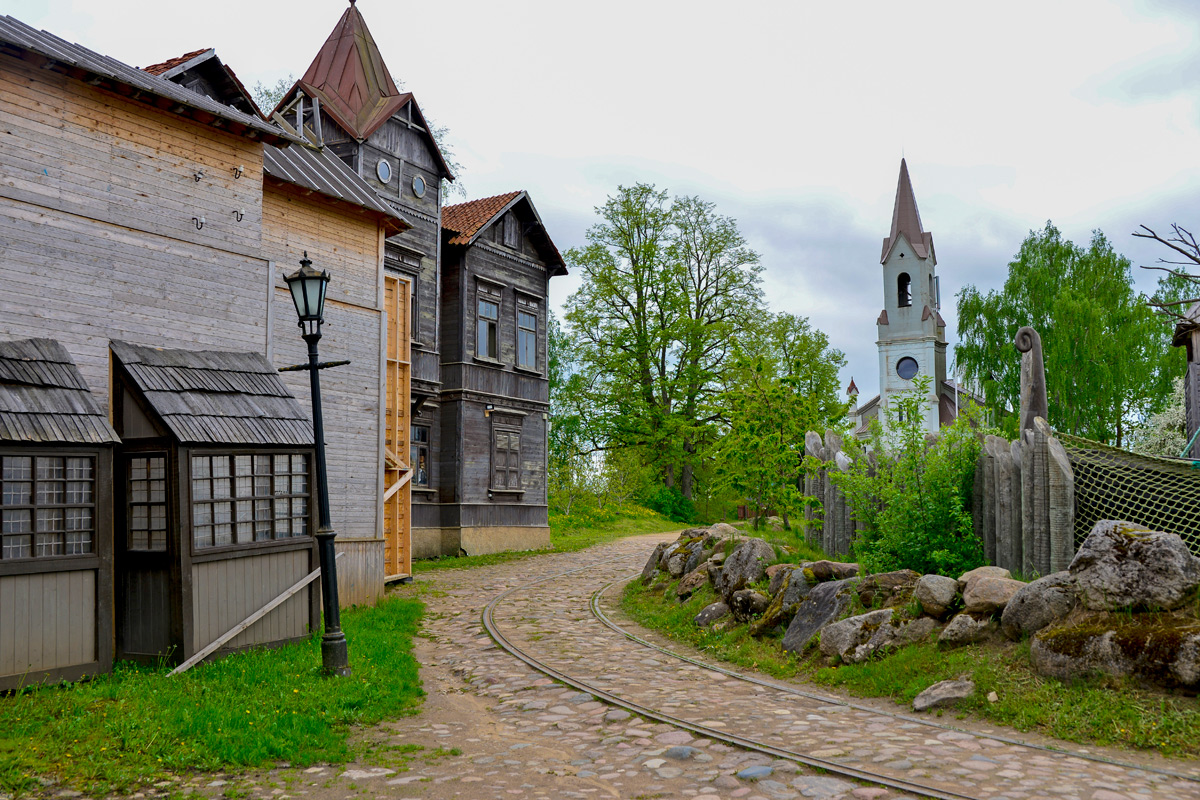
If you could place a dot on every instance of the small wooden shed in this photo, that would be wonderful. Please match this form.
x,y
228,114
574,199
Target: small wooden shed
x,y
56,548
214,508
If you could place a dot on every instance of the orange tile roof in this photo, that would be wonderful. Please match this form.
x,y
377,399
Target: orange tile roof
x,y
467,219
159,69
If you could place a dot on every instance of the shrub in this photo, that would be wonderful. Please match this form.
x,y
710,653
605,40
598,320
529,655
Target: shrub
x,y
670,502
915,503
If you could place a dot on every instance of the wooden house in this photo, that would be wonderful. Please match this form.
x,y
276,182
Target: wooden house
x,y
497,264
56,539
214,509
149,206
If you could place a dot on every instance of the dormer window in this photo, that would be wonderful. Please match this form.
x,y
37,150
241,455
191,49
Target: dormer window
x,y
903,290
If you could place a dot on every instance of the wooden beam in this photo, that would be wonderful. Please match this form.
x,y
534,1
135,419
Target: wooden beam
x,y
248,621
397,486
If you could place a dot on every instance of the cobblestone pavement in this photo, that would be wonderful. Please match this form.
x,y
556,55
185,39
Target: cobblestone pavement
x,y
492,727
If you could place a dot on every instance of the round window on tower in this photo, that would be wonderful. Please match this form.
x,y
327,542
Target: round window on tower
x,y
907,368
418,186
384,171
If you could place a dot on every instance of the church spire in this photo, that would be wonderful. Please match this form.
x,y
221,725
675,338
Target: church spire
x,y
350,79
906,220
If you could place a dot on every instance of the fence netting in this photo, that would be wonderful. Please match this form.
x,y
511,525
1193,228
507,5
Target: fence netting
x,y
1161,493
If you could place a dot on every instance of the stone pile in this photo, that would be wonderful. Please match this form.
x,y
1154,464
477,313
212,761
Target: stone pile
x,y
1127,605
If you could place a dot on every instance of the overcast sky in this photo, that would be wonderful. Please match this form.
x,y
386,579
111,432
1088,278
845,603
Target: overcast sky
x,y
791,116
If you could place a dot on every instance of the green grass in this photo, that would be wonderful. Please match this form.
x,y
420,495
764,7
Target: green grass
x,y
568,534
1096,712
121,731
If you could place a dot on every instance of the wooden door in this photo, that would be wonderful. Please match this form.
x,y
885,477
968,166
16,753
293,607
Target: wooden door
x,y
145,549
397,473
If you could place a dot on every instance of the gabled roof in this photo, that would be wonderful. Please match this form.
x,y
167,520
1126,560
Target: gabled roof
x,y
852,389
44,399
906,221
320,171
206,64
465,221
50,52
211,397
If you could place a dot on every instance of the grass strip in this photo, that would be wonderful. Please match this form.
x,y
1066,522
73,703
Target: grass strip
x,y
121,731
1102,711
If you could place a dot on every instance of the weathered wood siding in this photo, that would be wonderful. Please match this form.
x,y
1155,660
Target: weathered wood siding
x,y
349,246
227,591
47,621
360,571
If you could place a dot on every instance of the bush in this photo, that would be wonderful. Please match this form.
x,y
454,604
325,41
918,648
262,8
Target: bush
x,y
670,502
915,504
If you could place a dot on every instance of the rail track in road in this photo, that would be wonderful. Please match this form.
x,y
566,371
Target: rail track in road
x,y
572,670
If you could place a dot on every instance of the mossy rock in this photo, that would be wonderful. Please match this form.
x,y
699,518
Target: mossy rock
x,y
1156,648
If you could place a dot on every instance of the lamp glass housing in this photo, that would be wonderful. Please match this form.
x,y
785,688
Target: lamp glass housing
x,y
308,287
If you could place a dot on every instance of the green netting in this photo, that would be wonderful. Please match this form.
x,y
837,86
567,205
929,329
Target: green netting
x,y
1161,493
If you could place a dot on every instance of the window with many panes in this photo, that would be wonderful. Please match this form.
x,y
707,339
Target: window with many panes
x,y
506,458
526,333
487,327
239,499
419,453
146,506
47,505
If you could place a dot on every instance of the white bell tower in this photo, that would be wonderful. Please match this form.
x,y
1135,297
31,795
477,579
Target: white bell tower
x,y
912,334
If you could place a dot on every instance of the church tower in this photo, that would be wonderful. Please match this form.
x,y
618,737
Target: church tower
x,y
911,331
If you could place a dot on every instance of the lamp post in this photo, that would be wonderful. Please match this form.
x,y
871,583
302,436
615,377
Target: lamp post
x,y
308,293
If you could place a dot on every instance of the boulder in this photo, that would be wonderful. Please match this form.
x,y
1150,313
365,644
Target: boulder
x,y
690,583
981,572
667,552
857,639
988,595
746,604
710,614
712,568
677,562
1161,651
887,589
776,573
697,555
825,603
784,602
1038,604
833,570
1122,565
691,533
943,694
966,629
936,594
745,565
652,565
723,530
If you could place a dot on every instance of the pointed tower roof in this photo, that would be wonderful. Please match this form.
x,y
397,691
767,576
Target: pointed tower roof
x,y
349,77
852,389
906,221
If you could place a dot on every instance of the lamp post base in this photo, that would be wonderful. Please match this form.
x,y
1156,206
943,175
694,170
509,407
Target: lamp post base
x,y
335,658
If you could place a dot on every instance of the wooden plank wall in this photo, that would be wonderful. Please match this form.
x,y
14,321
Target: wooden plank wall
x,y
360,571
47,621
397,509
225,592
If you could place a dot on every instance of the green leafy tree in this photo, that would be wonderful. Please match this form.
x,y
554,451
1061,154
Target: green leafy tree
x,y
1106,354
784,383
267,97
667,287
912,497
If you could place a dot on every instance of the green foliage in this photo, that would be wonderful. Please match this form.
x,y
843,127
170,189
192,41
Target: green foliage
x,y
1165,433
118,731
915,502
670,502
267,98
1107,355
783,382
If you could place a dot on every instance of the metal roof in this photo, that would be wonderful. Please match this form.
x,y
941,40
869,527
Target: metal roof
x,y
19,39
906,221
325,173
44,399
212,397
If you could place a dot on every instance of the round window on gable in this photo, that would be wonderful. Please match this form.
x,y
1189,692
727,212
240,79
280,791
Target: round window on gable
x,y
384,171
907,368
418,186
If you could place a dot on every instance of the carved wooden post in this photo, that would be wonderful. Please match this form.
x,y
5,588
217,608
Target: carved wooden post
x,y
1008,552
977,522
987,464
1033,377
1060,501
1014,452
833,513
813,488
1035,507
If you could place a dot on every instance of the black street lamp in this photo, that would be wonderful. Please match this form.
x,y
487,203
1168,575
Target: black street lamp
x,y
308,293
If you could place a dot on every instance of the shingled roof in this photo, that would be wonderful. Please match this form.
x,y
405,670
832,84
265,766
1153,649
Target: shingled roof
x,y
44,399
465,221
212,397
906,221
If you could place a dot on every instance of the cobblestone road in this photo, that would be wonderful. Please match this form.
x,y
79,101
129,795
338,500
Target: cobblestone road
x,y
494,728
